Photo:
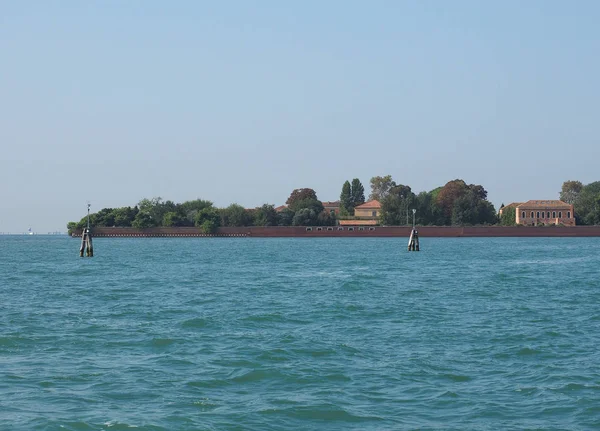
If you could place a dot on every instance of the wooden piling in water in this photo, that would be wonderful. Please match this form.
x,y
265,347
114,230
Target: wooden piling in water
x,y
86,239
413,241
87,246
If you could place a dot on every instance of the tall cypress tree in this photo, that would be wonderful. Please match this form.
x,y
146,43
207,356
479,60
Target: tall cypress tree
x,y
358,193
346,206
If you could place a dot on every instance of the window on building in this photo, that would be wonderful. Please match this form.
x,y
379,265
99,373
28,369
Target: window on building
x,y
308,229
374,214
548,214
319,228
329,228
361,228
523,214
568,214
553,214
532,214
350,228
340,228
371,228
560,214
538,214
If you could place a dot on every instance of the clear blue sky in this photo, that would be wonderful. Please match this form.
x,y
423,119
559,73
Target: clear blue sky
x,y
238,101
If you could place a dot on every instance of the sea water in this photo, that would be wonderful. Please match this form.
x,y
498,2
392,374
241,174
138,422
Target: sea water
x,y
299,334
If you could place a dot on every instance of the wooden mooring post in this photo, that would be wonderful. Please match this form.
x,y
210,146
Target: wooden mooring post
x,y
413,241
87,246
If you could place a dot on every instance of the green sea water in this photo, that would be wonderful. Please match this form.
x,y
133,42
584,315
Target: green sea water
x,y
300,334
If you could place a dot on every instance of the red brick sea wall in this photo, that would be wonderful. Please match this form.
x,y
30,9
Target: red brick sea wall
x,y
377,231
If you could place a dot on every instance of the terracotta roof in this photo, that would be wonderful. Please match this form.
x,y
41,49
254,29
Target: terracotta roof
x,y
358,222
331,203
374,204
511,205
280,208
544,204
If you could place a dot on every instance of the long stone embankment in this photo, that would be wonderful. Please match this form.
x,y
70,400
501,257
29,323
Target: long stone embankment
x,y
357,232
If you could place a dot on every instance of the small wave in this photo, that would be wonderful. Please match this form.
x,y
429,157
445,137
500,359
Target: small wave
x,y
12,341
276,355
458,377
77,426
527,351
256,376
197,322
315,353
205,404
162,342
447,394
327,414
116,426
264,317
337,377
209,384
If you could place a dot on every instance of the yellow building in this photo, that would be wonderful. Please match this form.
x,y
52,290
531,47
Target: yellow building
x,y
533,213
368,210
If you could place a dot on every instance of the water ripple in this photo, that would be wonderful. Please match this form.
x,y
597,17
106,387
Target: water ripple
x,y
270,334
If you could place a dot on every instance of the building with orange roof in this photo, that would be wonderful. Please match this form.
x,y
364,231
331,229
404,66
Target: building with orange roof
x,y
368,210
532,213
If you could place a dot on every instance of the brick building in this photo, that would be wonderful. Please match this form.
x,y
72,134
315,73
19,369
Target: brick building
x,y
556,212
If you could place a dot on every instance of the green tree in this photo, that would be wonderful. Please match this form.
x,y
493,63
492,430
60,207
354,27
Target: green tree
x,y
587,204
301,195
173,219
71,227
189,209
285,217
123,217
209,226
156,208
570,191
472,208
397,205
487,213
346,200
143,220
326,219
313,204
428,212
208,214
105,218
508,217
235,216
265,216
358,193
306,217
448,195
380,187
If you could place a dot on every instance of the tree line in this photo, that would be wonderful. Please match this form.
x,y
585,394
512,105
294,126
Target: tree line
x,y
303,208
454,204
585,200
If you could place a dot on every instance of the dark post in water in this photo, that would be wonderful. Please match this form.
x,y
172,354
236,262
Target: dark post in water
x,y
413,241
86,239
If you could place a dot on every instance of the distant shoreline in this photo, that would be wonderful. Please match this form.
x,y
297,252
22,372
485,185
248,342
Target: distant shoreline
x,y
354,232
